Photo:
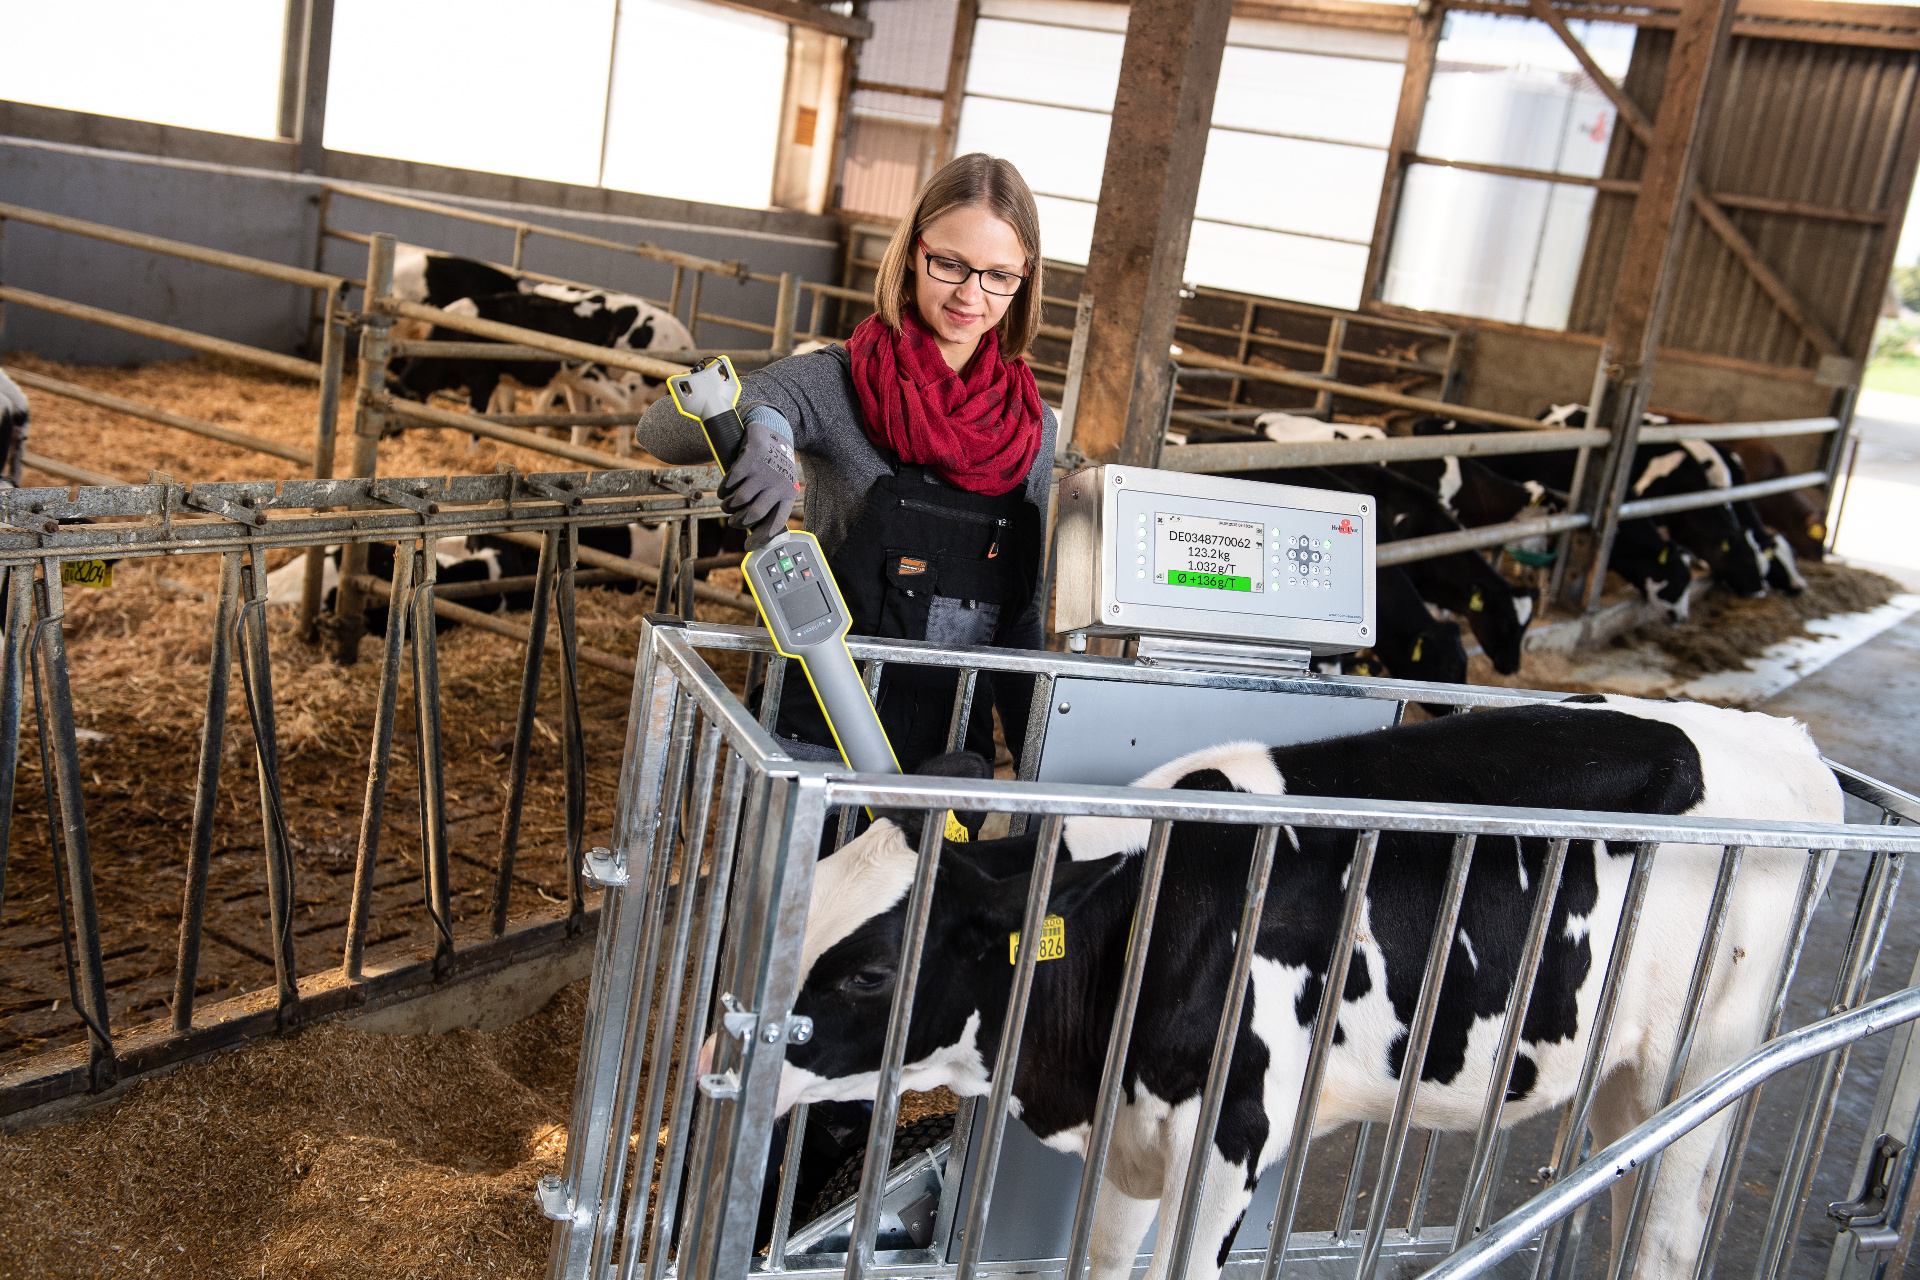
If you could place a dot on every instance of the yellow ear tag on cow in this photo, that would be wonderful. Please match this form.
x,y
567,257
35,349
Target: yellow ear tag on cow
x,y
86,573
1419,643
1053,941
954,829
1477,604
1664,551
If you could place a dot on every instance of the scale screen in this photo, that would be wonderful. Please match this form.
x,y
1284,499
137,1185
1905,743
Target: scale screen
x,y
1216,555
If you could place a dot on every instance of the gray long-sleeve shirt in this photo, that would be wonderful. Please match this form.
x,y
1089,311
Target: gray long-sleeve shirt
x,y
815,394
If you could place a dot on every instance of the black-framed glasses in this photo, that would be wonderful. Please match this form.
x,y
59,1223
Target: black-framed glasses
x,y
1002,284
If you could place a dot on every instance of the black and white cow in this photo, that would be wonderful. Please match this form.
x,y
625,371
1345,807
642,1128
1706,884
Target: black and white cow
x,y
455,563
1412,644
440,280
16,420
1589,753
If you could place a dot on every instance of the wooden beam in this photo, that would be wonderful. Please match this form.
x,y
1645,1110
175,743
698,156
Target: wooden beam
x,y
1798,209
806,15
1169,70
1650,261
966,14
1618,186
1423,41
1716,218
905,90
1837,24
1354,15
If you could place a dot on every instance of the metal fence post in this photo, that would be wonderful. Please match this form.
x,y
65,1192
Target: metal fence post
x,y
13,653
350,599
783,315
206,799
333,349
523,728
67,819
379,761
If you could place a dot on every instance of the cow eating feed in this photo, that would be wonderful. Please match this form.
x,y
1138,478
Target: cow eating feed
x,y
1591,753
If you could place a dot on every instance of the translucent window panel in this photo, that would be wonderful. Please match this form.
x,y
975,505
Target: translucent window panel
x,y
1350,99
459,83
657,93
1507,91
1066,228
1275,265
1058,152
1034,63
1288,185
213,65
912,43
1479,245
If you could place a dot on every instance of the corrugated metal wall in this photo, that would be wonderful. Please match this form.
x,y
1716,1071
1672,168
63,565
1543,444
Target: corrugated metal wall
x,y
1813,124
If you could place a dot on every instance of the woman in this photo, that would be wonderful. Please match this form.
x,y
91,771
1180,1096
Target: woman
x,y
927,455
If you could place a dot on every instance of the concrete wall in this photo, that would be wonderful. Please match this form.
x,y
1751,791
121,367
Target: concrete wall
x,y
237,194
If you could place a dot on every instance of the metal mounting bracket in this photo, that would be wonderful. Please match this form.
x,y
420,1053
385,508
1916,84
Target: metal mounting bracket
x,y
1866,1214
221,507
394,496
605,869
556,1201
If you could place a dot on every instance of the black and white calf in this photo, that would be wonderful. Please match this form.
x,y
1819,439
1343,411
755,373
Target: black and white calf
x,y
15,422
1591,753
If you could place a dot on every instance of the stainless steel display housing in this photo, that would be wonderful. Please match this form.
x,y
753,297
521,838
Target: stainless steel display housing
x,y
1087,598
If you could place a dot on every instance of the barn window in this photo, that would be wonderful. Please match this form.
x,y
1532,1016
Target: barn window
x,y
1294,161
217,69
1506,95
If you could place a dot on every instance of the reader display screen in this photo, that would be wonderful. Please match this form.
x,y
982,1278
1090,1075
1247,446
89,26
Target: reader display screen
x,y
1196,551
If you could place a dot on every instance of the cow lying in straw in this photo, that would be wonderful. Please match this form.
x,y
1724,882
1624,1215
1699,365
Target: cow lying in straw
x,y
1608,754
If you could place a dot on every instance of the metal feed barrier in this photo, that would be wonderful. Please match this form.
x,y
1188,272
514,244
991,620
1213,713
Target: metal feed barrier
x,y
42,530
708,886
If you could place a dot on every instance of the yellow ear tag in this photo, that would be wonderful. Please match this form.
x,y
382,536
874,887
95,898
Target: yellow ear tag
x,y
1477,604
86,573
1663,554
1419,643
954,829
1053,941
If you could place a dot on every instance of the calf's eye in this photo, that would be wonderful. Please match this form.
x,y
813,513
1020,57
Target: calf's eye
x,y
866,980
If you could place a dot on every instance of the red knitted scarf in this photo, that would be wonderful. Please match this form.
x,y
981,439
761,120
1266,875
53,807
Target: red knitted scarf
x,y
980,427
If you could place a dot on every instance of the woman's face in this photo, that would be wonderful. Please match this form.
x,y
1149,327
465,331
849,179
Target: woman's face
x,y
960,313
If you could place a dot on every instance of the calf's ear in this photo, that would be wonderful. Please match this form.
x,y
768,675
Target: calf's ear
x,y
1000,906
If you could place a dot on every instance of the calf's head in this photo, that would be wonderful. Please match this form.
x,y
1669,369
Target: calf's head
x,y
850,961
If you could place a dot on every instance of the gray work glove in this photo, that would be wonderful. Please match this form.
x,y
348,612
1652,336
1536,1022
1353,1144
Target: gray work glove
x,y
764,481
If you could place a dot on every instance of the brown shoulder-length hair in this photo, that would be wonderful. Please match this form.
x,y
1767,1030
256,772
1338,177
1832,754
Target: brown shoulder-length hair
x,y
991,184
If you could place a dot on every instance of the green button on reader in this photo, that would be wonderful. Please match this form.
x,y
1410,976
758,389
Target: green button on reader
x,y
788,576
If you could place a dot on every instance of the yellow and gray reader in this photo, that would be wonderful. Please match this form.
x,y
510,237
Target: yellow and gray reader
x,y
788,576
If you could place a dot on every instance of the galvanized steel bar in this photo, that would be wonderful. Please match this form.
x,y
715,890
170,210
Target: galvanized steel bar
x,y
333,355
349,600
669,1035
171,248
1478,1189
1259,872
1649,1175
1871,915
178,421
1408,550
379,764
1413,1060
1605,1167
893,1052
430,766
1737,430
1112,1075
573,735
1267,455
256,677
523,728
206,796
13,678
962,709
740,814
60,775
291,366
1813,876
1644,508
1006,1064
1359,874
1573,1126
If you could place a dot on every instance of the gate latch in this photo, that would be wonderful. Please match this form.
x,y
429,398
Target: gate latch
x,y
1866,1215
741,1022
605,869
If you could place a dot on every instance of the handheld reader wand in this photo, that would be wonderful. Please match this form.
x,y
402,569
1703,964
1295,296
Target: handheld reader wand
x,y
787,573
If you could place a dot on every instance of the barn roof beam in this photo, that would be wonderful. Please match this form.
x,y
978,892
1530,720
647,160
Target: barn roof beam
x,y
1708,208
1805,21
803,14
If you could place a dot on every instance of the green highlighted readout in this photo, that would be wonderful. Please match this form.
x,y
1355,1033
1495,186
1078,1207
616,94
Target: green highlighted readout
x,y
1217,581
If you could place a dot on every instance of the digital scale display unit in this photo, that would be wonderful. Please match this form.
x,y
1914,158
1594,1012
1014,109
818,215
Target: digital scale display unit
x,y
1168,553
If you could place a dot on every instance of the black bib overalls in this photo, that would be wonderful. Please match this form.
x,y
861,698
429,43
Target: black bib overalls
x,y
929,561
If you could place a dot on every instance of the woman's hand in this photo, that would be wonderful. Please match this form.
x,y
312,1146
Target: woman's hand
x,y
764,481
